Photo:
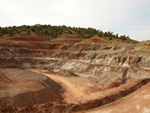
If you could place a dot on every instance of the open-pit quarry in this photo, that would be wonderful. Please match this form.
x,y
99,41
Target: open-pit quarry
x,y
69,74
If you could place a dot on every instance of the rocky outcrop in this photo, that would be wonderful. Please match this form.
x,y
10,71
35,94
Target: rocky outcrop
x,y
102,68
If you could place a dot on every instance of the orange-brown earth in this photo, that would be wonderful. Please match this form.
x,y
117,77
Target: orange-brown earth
x,y
137,102
75,86
69,74
92,40
25,87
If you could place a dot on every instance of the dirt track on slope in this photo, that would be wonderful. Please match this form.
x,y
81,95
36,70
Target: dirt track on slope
x,y
74,86
137,102
70,88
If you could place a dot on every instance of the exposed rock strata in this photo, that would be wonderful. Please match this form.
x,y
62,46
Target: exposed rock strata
x,y
102,68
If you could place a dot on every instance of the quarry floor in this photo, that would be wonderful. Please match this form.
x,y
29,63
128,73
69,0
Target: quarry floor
x,y
78,87
85,95
74,86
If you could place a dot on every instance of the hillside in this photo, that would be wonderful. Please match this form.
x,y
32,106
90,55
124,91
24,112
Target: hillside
x,y
49,32
72,73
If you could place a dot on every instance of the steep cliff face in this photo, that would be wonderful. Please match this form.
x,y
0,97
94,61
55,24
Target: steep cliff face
x,y
106,68
103,68
100,60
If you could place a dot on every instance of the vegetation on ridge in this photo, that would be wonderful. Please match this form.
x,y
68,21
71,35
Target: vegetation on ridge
x,y
48,31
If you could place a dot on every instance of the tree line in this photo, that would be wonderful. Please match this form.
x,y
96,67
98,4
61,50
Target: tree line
x,y
55,31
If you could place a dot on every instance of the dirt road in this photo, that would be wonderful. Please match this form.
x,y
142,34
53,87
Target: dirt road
x,y
71,90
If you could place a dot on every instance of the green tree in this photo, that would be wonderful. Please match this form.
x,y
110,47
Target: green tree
x,y
46,32
70,32
28,32
11,33
100,34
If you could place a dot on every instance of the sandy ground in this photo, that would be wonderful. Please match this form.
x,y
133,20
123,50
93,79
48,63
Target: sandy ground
x,y
137,102
70,88
83,96
74,86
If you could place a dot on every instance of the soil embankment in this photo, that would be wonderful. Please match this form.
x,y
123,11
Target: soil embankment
x,y
74,86
24,87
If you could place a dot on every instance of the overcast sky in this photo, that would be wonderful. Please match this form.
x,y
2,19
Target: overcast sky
x,y
129,17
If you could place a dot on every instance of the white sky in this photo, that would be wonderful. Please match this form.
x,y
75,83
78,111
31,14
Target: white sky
x,y
129,17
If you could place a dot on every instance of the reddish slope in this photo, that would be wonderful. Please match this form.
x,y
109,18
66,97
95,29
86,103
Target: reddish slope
x,y
94,40
137,102
24,87
140,100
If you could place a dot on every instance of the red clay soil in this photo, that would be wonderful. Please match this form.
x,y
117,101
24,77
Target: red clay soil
x,y
26,37
34,42
24,87
104,97
92,40
67,40
115,83
98,99
137,102
74,85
